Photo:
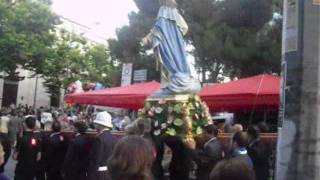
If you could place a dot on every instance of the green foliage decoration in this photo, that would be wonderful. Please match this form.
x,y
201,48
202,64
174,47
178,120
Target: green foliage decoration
x,y
177,118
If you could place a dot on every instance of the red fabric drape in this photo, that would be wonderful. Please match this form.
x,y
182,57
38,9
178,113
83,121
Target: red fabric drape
x,y
130,97
254,93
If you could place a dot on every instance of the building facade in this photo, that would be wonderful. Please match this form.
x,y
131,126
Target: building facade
x,y
30,91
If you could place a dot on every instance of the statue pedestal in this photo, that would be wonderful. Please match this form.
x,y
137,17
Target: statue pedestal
x,y
173,98
178,115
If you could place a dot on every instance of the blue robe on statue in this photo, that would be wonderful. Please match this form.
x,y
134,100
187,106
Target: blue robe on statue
x,y
167,40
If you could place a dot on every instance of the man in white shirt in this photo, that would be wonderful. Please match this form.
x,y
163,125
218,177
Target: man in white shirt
x,y
46,120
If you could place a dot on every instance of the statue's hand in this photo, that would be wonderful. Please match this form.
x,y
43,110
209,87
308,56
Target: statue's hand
x,y
144,42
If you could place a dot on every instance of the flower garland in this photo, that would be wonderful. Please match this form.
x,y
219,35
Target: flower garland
x,y
177,118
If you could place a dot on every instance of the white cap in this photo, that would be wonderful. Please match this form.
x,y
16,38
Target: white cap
x,y
104,119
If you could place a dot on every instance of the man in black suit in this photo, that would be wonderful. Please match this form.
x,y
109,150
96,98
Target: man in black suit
x,y
181,162
27,152
102,148
211,153
55,152
76,162
259,152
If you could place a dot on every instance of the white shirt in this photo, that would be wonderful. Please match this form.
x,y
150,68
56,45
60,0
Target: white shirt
x,y
4,120
46,117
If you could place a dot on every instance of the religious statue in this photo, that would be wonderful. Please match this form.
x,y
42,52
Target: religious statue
x,y
166,39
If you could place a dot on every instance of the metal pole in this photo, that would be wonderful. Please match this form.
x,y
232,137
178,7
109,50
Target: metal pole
x,y
35,93
298,156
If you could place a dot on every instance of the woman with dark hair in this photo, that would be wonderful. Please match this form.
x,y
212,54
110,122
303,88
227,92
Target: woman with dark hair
x,y
2,153
232,169
76,162
131,159
145,127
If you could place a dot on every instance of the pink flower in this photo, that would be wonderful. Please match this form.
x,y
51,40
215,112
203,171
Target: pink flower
x,y
151,113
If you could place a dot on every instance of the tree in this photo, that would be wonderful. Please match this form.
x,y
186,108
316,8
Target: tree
x,y
234,38
73,59
26,35
228,35
253,38
126,48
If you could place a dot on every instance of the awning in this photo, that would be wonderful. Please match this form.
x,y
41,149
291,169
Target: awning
x,y
129,97
252,94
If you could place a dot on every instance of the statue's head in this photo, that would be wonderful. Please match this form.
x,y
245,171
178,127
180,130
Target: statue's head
x,y
171,3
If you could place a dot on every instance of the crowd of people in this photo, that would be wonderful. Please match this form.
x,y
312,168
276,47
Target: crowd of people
x,y
136,155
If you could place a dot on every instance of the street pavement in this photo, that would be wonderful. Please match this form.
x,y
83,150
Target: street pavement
x,y
9,168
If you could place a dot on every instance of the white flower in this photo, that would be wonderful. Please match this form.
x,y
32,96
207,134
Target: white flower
x,y
156,124
170,119
157,132
163,125
158,110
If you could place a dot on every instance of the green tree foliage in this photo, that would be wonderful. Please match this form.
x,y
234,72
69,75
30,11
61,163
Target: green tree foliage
x,y
72,59
235,38
29,39
26,35
126,47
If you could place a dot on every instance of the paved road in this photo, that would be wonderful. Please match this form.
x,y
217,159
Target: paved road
x,y
9,168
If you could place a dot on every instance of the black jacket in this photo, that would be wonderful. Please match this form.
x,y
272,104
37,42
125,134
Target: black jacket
x,y
101,150
28,147
158,145
181,162
57,145
207,158
76,162
259,153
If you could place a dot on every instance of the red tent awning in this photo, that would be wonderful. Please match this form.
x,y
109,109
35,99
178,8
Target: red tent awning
x,y
130,97
255,93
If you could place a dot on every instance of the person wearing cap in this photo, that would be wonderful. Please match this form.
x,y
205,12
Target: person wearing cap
x,y
102,147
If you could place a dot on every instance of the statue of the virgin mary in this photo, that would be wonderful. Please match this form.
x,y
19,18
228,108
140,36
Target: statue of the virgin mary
x,y
166,38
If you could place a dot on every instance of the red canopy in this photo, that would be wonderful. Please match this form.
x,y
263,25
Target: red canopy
x,y
131,97
254,93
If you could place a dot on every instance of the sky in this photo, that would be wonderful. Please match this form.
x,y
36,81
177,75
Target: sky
x,y
103,17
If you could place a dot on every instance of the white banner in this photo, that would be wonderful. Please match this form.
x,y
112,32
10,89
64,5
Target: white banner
x,y
140,75
126,74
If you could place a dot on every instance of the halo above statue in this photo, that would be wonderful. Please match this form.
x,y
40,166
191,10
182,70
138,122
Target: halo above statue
x,y
166,39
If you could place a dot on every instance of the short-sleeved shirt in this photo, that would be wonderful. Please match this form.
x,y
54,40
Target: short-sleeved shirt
x,y
4,120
